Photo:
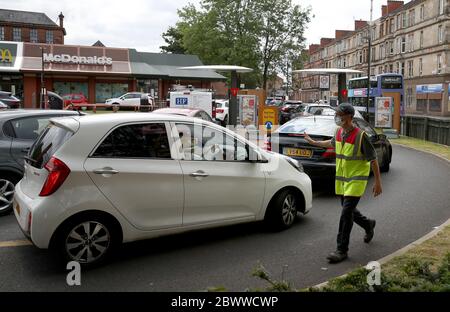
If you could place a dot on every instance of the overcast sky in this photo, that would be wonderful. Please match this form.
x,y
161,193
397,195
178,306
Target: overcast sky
x,y
140,23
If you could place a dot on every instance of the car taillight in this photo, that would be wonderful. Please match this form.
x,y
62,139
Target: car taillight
x,y
57,174
220,111
268,144
329,153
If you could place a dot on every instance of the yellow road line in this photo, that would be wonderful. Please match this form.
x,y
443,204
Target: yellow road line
x,y
16,243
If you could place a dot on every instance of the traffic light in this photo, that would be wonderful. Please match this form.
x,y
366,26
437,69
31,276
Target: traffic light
x,y
344,93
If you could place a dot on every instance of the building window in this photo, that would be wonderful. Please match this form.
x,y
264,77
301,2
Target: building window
x,y
441,7
421,105
435,105
34,36
420,67
17,34
402,69
391,68
382,50
403,44
440,34
422,12
410,69
2,33
421,39
373,55
49,37
411,43
412,17
439,63
399,22
404,20
392,25
409,97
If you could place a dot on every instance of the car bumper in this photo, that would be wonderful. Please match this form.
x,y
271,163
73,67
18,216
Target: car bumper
x,y
319,170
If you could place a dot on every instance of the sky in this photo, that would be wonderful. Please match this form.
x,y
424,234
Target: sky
x,y
140,23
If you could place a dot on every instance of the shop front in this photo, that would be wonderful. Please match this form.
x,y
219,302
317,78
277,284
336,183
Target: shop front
x,y
98,73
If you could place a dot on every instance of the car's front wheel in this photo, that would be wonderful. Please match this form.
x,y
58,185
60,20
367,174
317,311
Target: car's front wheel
x,y
88,240
7,186
385,167
282,211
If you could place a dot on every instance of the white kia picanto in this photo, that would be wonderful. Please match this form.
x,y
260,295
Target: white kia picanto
x,y
94,182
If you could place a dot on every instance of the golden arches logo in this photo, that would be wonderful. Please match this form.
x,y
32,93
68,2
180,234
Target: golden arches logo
x,y
6,56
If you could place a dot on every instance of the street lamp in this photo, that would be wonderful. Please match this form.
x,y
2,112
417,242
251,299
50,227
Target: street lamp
x,y
42,102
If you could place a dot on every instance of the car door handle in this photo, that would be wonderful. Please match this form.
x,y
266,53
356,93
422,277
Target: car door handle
x,y
106,171
199,174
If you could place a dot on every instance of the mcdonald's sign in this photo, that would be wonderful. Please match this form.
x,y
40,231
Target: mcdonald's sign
x,y
6,56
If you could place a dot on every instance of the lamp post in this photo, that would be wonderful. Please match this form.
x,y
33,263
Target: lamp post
x,y
42,103
369,61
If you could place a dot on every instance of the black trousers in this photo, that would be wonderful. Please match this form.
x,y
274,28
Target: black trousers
x,y
349,215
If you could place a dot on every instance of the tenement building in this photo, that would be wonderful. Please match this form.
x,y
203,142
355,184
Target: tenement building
x,y
410,38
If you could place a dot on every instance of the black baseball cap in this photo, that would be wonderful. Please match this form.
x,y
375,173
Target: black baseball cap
x,y
346,108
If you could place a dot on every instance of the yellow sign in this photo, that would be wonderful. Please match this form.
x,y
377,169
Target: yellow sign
x,y
269,118
6,56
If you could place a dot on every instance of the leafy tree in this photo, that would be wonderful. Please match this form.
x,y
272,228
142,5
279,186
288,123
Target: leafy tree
x,y
174,41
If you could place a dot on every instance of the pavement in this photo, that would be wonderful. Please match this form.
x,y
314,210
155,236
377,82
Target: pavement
x,y
415,201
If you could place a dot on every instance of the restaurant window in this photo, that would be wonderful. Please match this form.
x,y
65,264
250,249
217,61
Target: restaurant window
x,y
2,33
150,86
49,37
34,36
104,91
17,34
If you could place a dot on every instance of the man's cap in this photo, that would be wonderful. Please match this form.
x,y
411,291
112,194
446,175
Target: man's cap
x,y
346,108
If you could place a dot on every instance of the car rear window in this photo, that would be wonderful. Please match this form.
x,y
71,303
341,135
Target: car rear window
x,y
47,145
314,126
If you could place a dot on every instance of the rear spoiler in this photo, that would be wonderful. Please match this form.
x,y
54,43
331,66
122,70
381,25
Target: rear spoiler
x,y
69,123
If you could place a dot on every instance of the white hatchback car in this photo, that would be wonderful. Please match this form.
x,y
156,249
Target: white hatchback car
x,y
91,183
132,99
222,111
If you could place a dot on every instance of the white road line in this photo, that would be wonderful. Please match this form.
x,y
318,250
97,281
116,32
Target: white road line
x,y
17,243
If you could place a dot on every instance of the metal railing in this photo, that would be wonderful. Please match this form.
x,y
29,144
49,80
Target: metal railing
x,y
433,129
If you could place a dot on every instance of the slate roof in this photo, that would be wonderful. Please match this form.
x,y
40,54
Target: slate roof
x,y
36,18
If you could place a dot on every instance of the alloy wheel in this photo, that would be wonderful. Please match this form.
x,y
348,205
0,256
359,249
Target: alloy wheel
x,y
289,210
88,242
6,194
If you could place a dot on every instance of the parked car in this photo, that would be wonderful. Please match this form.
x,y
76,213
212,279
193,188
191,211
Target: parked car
x,y
222,111
187,112
320,162
18,131
94,182
6,98
3,106
291,110
131,99
324,110
74,99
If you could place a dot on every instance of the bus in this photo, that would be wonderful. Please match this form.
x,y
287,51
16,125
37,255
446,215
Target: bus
x,y
384,85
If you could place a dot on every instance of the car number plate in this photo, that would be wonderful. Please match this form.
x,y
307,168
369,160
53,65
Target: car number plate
x,y
298,152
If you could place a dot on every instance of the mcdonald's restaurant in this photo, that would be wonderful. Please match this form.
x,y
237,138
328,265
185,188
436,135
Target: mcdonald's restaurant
x,y
97,72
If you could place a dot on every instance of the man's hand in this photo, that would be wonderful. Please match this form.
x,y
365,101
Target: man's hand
x,y
309,140
377,189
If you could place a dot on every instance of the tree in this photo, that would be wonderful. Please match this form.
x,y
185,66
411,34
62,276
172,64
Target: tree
x,y
174,41
251,33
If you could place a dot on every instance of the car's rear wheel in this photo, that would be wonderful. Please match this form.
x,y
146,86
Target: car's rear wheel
x,y
88,240
7,186
282,211
385,167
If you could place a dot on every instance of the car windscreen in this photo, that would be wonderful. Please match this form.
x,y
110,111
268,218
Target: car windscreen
x,y
314,126
47,144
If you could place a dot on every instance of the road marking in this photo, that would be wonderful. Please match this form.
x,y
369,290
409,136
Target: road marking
x,y
16,243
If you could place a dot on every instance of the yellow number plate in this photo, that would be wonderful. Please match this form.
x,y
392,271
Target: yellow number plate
x,y
298,152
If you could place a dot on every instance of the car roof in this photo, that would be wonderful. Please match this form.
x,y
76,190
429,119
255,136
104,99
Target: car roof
x,y
11,113
180,111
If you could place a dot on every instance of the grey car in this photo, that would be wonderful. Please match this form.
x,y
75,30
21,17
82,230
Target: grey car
x,y
18,131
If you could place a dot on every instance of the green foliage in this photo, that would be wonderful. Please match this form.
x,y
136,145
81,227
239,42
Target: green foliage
x,y
174,41
252,33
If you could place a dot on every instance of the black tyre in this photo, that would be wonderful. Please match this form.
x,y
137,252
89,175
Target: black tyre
x,y
225,121
282,211
385,167
7,185
88,240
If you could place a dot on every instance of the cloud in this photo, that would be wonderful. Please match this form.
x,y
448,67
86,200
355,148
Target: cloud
x,y
140,23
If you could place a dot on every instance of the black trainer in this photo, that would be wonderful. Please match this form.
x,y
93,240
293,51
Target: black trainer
x,y
369,233
337,256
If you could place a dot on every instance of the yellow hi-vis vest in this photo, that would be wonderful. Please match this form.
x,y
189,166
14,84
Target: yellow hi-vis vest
x,y
352,168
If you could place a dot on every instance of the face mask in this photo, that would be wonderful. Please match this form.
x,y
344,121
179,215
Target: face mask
x,y
339,121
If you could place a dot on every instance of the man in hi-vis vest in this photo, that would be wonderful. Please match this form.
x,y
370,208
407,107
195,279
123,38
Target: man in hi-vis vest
x,y
355,156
